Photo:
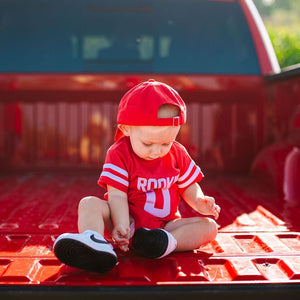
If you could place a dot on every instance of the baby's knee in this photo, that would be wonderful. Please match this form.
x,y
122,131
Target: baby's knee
x,y
91,202
212,228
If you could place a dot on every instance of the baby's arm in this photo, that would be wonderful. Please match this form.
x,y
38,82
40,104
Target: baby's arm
x,y
118,204
205,205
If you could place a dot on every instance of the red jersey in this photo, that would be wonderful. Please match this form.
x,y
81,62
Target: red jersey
x,y
153,186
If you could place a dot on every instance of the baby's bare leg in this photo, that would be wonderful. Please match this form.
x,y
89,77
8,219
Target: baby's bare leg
x,y
94,214
88,250
191,233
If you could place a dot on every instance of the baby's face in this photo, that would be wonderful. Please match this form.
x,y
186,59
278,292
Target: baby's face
x,y
151,142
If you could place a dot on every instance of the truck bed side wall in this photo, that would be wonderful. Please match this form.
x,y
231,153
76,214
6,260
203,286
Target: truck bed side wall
x,y
280,160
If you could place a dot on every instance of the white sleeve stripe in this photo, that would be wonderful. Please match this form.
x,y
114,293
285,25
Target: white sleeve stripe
x,y
115,178
187,183
115,168
187,173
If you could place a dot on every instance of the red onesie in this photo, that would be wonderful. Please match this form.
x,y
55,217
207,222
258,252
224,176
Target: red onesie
x,y
152,186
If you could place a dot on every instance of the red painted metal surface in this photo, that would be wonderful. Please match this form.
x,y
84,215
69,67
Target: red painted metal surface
x,y
68,121
279,161
259,238
230,121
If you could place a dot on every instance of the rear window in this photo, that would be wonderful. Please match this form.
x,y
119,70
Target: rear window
x,y
160,36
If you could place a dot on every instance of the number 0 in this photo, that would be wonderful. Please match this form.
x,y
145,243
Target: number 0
x,y
150,204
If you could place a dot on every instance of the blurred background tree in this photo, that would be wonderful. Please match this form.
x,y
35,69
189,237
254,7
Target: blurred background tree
x,y
282,20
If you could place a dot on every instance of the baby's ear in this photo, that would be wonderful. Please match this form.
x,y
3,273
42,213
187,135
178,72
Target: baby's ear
x,y
125,129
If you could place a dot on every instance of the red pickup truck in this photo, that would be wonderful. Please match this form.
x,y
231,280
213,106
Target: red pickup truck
x,y
64,66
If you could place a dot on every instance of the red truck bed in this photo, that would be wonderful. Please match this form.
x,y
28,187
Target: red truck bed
x,y
258,239
256,253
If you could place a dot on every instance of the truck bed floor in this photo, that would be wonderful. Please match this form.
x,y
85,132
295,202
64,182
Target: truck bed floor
x,y
258,240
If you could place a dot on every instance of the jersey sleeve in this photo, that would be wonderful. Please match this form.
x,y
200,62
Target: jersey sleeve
x,y
114,171
189,172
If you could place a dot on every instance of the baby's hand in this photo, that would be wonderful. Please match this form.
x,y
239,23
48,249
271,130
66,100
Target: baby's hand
x,y
208,206
120,235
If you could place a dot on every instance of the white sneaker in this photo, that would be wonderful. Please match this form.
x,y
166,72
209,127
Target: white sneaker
x,y
88,251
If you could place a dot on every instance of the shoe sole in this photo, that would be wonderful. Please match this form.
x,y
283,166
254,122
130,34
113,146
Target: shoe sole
x,y
78,255
150,243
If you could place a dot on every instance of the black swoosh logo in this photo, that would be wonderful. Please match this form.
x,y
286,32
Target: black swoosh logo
x,y
92,237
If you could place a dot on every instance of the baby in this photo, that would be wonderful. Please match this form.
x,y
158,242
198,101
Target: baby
x,y
146,173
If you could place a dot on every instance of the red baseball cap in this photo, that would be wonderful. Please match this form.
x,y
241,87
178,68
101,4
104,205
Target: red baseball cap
x,y
139,106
